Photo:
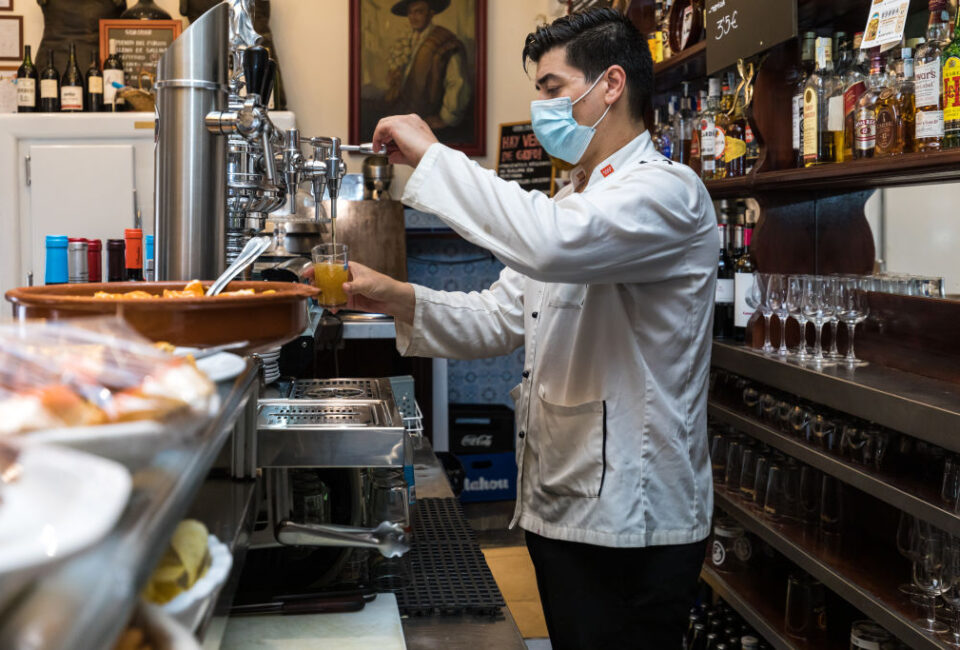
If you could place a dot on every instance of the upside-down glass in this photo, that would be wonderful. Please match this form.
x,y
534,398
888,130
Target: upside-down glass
x,y
831,506
853,309
762,281
718,455
951,587
330,271
760,476
774,499
823,430
795,285
731,477
777,299
804,616
768,408
810,486
784,406
928,573
950,483
800,416
747,473
819,305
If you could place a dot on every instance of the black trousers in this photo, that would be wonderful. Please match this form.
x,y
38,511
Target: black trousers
x,y
612,598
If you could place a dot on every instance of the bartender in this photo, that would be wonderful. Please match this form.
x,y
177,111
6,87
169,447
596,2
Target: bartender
x,y
610,287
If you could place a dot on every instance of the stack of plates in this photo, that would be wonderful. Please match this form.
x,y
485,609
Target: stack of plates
x,y
271,365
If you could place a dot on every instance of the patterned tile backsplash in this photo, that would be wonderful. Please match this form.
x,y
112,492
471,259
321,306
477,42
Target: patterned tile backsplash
x,y
456,265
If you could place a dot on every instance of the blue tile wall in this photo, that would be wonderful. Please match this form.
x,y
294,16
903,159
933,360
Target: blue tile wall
x,y
456,265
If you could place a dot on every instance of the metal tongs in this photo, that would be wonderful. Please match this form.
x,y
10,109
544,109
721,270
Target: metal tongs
x,y
254,249
387,538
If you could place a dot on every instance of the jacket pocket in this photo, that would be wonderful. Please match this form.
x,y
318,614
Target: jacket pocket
x,y
572,448
567,296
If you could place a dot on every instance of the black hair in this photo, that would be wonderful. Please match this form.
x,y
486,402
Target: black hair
x,y
594,40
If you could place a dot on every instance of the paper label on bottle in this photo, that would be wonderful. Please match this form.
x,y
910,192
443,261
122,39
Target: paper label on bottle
x,y
720,143
48,89
71,98
748,134
725,292
951,89
95,85
109,92
865,130
27,93
742,286
797,116
886,127
708,139
655,43
927,84
851,95
929,124
708,165
733,149
686,27
810,124
835,113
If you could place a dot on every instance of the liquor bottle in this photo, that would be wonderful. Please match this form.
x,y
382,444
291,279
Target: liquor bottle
x,y
94,260
907,99
116,263
94,85
134,254
817,138
929,116
842,53
865,121
667,132
723,303
683,127
807,56
854,85
149,263
696,159
743,279
835,105
753,148
71,85
894,127
724,123
663,27
708,133
28,88
112,73
655,131
735,148
145,10
950,72
55,271
686,24
77,260
655,40
50,86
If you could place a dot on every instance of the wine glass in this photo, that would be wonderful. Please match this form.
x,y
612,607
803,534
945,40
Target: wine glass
x,y
853,309
951,587
795,285
906,534
762,293
818,306
834,323
928,573
777,299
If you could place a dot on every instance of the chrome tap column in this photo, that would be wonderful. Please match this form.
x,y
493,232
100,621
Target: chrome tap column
x,y
190,187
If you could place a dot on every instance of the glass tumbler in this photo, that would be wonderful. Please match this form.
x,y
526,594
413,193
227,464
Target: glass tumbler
x,y
805,612
734,466
831,506
760,476
330,271
748,468
774,500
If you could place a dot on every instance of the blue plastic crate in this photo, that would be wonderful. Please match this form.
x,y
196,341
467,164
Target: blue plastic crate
x,y
489,477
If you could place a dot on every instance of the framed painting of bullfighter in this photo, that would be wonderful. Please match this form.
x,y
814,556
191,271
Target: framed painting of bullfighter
x,y
420,56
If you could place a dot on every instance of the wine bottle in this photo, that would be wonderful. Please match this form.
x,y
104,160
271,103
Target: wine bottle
x,y
94,85
145,10
28,87
723,303
50,86
116,262
743,279
112,73
134,254
71,85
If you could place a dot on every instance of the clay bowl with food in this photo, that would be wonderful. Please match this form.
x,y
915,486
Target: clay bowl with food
x,y
273,314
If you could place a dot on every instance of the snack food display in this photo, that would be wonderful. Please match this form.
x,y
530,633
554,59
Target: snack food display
x,y
184,562
194,289
88,372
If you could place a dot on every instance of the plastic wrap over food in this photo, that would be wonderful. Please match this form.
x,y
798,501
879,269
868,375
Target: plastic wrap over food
x,y
91,371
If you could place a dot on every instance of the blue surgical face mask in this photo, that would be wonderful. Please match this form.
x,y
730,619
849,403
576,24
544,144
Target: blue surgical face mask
x,y
560,135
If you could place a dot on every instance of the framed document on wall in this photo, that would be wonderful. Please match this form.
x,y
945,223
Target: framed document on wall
x,y
11,38
141,43
6,5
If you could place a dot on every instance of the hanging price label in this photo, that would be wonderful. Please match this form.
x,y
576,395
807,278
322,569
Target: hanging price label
x,y
885,23
738,29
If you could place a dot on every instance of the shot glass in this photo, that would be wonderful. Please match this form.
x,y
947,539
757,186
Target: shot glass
x,y
330,271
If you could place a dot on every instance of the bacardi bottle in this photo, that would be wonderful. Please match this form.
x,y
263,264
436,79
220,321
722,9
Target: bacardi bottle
x,y
708,133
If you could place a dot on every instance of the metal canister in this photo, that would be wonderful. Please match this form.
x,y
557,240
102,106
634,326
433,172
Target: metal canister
x,y
77,261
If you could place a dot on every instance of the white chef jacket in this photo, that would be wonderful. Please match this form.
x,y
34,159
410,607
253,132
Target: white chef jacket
x,y
612,291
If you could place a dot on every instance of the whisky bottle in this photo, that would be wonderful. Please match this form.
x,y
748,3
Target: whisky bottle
x,y
907,101
708,132
807,54
854,85
929,118
865,118
817,138
835,113
950,72
889,122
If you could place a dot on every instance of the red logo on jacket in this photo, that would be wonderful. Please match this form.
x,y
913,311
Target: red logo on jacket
x,y
606,171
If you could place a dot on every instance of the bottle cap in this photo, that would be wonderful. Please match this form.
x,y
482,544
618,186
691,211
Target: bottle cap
x,y
149,245
133,233
57,241
94,245
77,261
55,271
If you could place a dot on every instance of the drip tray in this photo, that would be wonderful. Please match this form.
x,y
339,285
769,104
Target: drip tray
x,y
336,389
323,415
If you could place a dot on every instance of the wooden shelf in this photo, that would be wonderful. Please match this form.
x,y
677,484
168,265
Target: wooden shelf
x,y
925,408
760,602
690,64
905,494
908,169
864,575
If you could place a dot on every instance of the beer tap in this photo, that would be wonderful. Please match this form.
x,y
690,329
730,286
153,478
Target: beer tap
x,y
326,168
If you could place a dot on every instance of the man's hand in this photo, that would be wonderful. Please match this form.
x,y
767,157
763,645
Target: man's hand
x,y
370,291
407,138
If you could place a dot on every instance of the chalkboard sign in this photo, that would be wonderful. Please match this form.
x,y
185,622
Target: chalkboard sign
x,y
737,29
140,43
522,159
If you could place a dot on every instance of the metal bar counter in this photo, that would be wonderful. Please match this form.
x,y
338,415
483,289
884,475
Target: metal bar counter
x,y
452,632
86,602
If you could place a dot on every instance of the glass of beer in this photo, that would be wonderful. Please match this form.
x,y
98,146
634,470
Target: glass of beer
x,y
330,272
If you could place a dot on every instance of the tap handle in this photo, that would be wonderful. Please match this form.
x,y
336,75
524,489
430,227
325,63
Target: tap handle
x,y
365,148
255,64
267,87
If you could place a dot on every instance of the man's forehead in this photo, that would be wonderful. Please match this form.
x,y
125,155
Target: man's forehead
x,y
553,64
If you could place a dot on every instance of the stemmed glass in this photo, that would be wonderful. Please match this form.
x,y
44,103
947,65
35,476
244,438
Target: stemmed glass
x,y
951,587
906,546
795,284
762,291
818,305
928,573
834,322
777,299
853,309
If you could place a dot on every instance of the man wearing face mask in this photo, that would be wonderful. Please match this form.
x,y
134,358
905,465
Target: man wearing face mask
x,y
610,287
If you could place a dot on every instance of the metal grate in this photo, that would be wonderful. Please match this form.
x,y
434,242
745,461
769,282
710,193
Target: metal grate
x,y
448,573
335,389
319,415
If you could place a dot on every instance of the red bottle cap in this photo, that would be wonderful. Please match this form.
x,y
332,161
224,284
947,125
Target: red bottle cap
x,y
134,256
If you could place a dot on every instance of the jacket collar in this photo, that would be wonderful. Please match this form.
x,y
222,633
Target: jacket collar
x,y
640,148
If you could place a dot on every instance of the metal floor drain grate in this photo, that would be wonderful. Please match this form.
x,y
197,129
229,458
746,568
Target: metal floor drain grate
x,y
448,572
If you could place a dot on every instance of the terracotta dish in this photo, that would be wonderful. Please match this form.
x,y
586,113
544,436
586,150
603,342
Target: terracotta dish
x,y
265,320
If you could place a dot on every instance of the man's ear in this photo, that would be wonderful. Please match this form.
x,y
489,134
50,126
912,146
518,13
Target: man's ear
x,y
616,84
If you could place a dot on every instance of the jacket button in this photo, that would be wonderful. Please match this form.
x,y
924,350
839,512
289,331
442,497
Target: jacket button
x,y
526,374
535,314
521,434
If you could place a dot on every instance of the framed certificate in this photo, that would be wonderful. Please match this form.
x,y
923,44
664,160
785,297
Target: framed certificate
x,y
11,38
6,5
